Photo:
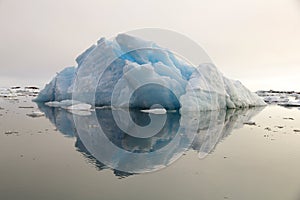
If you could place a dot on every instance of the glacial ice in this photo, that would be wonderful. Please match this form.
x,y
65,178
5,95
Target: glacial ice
x,y
130,72
57,89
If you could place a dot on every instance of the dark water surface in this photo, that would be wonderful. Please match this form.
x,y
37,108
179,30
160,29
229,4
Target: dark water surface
x,y
209,155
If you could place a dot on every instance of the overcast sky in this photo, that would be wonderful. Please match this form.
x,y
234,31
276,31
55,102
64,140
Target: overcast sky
x,y
255,41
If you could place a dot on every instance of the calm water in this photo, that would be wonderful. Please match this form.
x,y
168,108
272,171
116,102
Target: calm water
x,y
209,155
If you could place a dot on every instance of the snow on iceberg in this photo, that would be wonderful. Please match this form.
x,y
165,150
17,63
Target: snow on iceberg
x,y
130,72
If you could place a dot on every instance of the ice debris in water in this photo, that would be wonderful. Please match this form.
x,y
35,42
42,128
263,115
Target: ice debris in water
x,y
81,106
157,111
36,114
70,105
108,72
292,103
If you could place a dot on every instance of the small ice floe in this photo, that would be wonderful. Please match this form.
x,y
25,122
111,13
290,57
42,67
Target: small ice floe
x,y
4,92
26,107
291,104
250,123
276,99
10,132
31,91
36,114
19,91
62,104
74,107
297,131
9,96
268,129
69,104
296,95
80,106
157,111
288,118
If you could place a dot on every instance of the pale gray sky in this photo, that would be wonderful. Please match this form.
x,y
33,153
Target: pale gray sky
x,y
255,41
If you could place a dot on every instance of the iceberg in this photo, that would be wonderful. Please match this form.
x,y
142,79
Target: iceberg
x,y
57,89
129,72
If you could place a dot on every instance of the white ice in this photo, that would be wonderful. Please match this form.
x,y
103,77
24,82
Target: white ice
x,y
157,111
292,103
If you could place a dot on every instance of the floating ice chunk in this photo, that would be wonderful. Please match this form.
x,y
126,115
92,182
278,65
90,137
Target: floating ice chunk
x,y
291,104
80,107
72,106
8,93
157,111
62,104
276,99
36,114
250,123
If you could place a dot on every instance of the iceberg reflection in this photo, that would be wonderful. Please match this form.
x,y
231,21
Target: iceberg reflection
x,y
104,137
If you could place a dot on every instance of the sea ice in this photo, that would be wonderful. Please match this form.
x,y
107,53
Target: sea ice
x,y
276,99
7,93
295,103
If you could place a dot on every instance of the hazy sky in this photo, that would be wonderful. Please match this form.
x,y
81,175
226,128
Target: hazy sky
x,y
255,41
